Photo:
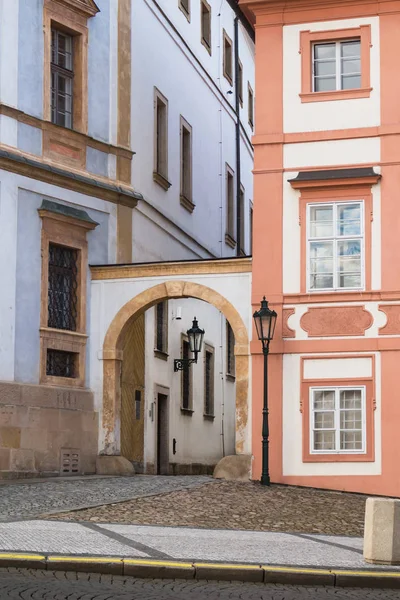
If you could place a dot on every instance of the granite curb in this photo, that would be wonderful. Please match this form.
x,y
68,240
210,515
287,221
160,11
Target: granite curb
x,y
162,569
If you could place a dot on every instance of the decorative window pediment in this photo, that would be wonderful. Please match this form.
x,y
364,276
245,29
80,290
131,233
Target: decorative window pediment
x,y
86,7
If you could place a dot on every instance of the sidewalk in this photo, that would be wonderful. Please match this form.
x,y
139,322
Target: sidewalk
x,y
191,553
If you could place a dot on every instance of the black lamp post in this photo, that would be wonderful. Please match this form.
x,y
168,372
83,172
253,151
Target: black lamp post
x,y
265,321
196,336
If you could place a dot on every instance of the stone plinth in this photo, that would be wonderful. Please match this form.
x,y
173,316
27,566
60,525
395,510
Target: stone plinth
x,y
382,531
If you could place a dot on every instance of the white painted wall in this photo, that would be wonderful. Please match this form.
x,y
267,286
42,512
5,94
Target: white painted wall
x,y
110,295
199,440
293,428
322,116
195,88
9,12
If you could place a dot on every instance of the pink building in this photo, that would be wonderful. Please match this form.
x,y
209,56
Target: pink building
x,y
327,240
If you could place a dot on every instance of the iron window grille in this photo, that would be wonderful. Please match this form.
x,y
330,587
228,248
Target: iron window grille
x,y
209,384
62,76
61,364
186,377
63,288
161,327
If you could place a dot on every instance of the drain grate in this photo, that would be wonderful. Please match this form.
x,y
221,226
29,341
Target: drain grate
x,y
70,461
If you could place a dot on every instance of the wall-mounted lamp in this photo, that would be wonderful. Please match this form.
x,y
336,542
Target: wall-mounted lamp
x,y
178,315
196,336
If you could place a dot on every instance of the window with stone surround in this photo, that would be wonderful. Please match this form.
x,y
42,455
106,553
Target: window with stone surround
x,y
335,64
160,173
66,39
230,352
63,294
335,246
337,420
230,235
186,192
227,57
186,379
209,363
205,25
161,330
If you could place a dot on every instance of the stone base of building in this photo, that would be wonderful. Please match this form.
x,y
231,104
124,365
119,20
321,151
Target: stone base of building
x,y
46,431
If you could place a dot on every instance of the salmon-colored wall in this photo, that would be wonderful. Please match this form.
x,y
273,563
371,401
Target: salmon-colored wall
x,y
267,228
270,17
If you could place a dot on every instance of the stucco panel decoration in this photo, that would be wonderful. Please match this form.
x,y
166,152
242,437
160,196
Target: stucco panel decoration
x,y
287,332
392,312
336,321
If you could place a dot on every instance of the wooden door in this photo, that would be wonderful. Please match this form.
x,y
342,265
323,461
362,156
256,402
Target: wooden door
x,y
132,394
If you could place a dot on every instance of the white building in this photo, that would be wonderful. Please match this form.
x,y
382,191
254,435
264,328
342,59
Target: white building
x,y
118,144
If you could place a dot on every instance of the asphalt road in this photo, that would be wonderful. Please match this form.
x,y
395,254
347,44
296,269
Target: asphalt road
x,y
47,585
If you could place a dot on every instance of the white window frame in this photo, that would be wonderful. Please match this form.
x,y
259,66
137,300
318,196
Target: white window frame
x,y
338,64
337,411
335,237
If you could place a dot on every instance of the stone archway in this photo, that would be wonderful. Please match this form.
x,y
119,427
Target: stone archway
x,y
112,357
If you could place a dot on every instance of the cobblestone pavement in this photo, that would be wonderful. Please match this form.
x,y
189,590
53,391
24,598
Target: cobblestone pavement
x,y
235,505
31,499
47,585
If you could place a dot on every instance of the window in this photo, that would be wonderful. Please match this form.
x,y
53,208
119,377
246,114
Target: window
x,y
242,222
62,364
62,288
337,66
209,382
230,208
64,258
240,83
228,60
62,76
206,25
251,106
251,229
161,328
160,174
335,246
187,378
186,165
337,420
230,351
184,5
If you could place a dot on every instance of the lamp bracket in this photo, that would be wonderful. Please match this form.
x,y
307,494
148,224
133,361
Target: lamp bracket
x,y
181,364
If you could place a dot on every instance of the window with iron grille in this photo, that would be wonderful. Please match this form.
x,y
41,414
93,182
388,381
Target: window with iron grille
x,y
63,288
62,364
186,378
162,327
230,350
209,383
62,76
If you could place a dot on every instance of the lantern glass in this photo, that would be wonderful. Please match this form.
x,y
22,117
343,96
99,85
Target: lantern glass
x,y
196,336
265,322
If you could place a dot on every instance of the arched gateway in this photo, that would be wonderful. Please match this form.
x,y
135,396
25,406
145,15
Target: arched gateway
x,y
232,278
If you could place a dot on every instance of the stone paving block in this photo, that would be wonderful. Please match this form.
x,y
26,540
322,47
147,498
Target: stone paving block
x,y
223,573
155,571
298,578
110,567
366,581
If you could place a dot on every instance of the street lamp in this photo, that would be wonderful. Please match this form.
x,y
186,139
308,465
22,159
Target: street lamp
x,y
196,336
265,321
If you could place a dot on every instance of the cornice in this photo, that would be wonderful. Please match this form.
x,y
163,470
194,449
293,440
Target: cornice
x,y
86,7
274,12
